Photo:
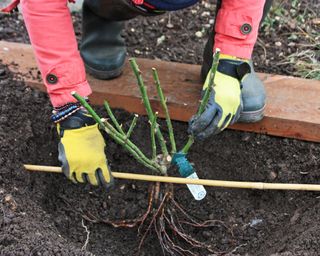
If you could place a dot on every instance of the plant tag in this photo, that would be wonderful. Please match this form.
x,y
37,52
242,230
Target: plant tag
x,y
198,191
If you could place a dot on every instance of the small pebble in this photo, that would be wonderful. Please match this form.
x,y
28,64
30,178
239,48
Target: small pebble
x,y
205,14
273,175
255,222
278,44
199,34
8,198
246,137
160,40
169,25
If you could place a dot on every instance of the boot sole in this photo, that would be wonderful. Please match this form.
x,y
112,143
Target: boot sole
x,y
252,116
104,75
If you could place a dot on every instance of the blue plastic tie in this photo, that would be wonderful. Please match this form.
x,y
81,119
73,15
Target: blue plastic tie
x,y
185,168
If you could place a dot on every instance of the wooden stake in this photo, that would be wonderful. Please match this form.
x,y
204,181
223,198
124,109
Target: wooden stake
x,y
212,183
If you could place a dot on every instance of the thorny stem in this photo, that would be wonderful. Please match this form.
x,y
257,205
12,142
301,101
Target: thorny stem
x,y
205,97
165,218
188,145
122,138
119,137
113,119
153,138
131,147
213,71
85,104
147,104
134,151
166,111
114,134
133,124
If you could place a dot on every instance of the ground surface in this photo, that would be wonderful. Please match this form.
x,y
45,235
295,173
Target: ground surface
x,y
41,214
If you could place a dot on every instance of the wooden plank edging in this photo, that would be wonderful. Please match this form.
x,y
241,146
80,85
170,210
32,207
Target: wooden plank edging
x,y
293,104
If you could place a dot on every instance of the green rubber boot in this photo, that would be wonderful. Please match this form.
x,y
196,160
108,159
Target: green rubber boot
x,y
102,49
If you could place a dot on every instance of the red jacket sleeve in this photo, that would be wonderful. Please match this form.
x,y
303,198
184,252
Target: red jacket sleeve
x,y
50,28
237,25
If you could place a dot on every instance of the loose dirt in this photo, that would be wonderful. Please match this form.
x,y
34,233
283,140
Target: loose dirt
x,y
42,214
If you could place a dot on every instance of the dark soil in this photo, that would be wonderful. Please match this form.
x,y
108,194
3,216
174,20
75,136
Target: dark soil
x,y
41,214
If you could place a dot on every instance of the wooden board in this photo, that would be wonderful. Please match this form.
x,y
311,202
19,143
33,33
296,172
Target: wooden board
x,y
293,104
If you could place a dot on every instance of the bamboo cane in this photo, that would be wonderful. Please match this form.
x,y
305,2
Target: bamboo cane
x,y
212,183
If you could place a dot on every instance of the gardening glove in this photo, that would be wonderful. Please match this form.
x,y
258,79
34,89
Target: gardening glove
x,y
225,103
81,150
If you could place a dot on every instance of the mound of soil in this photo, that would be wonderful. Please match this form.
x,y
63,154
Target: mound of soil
x,y
43,214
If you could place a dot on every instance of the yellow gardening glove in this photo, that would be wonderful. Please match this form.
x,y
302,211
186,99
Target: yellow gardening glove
x,y
225,103
81,151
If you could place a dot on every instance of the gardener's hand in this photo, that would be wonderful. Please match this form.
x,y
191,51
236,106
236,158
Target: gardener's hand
x,y
81,150
225,104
